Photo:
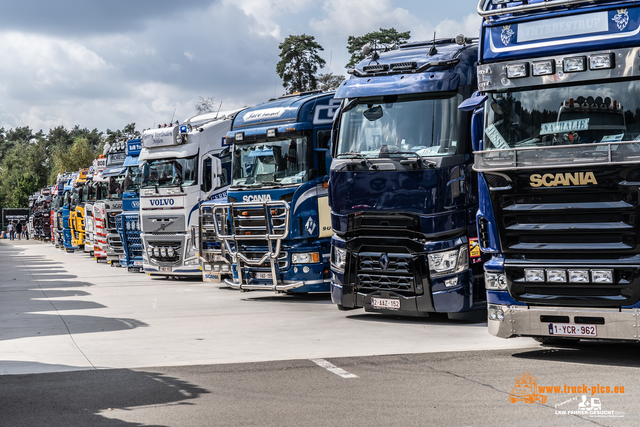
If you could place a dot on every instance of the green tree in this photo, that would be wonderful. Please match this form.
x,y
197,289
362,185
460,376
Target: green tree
x,y
379,39
80,155
27,185
329,81
299,63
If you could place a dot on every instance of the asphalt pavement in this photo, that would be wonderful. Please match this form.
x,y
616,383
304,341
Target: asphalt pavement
x,y
87,344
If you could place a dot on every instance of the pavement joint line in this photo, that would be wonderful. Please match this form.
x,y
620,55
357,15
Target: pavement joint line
x,y
59,315
333,368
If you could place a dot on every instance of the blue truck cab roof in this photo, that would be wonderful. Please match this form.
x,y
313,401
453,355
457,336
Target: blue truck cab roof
x,y
420,67
295,112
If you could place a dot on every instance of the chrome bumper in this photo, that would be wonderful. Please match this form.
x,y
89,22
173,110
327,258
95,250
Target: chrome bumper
x,y
525,321
275,287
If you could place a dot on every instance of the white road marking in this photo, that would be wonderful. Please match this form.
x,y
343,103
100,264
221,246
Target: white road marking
x,y
333,368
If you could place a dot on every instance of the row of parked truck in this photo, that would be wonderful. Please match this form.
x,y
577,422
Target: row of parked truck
x,y
499,173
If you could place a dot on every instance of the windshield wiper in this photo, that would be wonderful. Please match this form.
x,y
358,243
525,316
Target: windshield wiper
x,y
364,159
421,159
268,183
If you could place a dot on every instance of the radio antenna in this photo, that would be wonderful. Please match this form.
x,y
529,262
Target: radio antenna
x,y
173,115
219,107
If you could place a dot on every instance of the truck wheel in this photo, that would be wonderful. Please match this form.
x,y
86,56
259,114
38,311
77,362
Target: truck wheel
x,y
556,341
343,308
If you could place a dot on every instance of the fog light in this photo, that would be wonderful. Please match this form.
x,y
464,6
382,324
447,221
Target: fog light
x,y
533,275
216,268
451,282
516,71
150,250
163,251
601,62
544,68
170,252
500,314
156,252
495,281
579,276
574,65
602,276
225,268
556,276
493,315
305,269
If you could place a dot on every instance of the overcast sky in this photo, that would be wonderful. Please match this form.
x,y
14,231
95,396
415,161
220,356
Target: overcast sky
x,y
104,64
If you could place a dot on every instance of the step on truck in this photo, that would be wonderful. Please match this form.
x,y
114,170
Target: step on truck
x,y
181,166
559,164
128,222
275,228
402,190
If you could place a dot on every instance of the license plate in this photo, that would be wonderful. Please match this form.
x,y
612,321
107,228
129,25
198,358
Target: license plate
x,y
390,304
166,269
265,276
123,257
137,263
567,329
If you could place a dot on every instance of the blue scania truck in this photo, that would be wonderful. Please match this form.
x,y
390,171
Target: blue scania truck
x,y
275,229
402,191
128,222
559,163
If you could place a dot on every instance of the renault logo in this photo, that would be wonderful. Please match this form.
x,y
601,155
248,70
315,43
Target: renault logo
x,y
384,261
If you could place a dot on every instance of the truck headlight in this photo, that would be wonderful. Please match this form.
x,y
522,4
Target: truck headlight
x,y
339,257
495,281
305,258
448,262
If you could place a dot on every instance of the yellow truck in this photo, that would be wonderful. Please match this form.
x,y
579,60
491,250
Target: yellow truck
x,y
76,214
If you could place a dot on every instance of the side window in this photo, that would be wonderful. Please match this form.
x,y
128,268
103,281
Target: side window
x,y
225,178
206,174
323,138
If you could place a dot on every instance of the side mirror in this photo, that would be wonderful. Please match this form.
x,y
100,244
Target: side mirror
x,y
216,171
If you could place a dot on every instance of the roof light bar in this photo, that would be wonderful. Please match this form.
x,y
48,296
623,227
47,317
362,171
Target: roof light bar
x,y
601,61
543,68
575,64
517,71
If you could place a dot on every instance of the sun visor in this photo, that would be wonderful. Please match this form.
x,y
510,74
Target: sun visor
x,y
399,84
113,171
131,161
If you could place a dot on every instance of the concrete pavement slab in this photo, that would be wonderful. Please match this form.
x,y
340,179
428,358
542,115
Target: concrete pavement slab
x,y
66,311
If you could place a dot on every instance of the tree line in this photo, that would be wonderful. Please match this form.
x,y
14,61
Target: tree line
x,y
31,160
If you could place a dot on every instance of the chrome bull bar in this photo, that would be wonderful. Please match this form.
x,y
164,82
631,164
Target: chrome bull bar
x,y
245,221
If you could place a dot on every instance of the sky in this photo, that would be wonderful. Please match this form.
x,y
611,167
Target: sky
x,y
105,64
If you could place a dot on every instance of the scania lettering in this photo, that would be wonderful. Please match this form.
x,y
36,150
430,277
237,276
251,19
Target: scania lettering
x,y
275,228
181,167
559,165
402,192
128,222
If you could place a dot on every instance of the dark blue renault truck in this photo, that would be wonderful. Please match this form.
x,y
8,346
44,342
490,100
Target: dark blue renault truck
x,y
402,191
559,164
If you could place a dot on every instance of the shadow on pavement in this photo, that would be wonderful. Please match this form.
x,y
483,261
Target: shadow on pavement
x,y
81,398
30,305
475,318
295,298
587,352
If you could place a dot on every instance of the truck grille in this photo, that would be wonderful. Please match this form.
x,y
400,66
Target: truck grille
x,y
379,271
587,222
163,224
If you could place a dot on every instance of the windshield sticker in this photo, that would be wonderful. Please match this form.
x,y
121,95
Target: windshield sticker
x,y
496,138
613,138
566,126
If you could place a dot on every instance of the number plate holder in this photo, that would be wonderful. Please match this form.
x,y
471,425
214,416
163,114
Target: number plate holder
x,y
573,330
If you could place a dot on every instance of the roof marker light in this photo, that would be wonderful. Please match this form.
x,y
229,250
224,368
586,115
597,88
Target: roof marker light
x,y
183,129
544,68
575,64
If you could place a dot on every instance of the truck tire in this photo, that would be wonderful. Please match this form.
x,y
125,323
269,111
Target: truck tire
x,y
556,341
343,308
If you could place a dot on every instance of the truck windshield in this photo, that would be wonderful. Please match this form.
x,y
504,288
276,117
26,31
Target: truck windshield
x,y
282,161
115,187
132,179
584,114
426,126
170,172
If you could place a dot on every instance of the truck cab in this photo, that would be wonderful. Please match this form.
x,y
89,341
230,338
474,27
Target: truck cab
x,y
128,222
111,205
181,166
77,214
68,207
274,232
402,190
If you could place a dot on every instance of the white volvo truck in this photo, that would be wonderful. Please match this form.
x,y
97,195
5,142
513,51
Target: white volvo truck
x,y
181,167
